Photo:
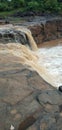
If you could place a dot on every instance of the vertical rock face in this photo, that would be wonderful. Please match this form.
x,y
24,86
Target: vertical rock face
x,y
50,30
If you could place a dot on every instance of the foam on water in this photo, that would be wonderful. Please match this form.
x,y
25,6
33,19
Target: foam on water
x,y
46,61
51,59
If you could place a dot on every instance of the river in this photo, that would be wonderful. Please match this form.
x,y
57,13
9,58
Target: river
x,y
46,60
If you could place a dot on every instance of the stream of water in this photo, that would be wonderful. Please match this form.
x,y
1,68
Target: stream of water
x,y
47,61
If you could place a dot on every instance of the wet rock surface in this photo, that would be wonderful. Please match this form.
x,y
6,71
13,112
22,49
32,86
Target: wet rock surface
x,y
26,101
9,35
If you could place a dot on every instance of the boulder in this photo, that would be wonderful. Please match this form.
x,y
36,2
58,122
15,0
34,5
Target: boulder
x,y
27,102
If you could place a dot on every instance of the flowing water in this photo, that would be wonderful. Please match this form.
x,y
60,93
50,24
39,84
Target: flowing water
x,y
46,61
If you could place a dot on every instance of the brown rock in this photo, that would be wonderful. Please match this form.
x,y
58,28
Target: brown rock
x,y
14,111
17,117
43,126
33,127
37,32
59,28
50,29
26,123
36,29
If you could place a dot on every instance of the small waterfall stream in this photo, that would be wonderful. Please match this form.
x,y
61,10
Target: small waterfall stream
x,y
46,61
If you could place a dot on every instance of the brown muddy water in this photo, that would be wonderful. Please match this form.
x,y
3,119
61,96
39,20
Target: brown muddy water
x,y
46,59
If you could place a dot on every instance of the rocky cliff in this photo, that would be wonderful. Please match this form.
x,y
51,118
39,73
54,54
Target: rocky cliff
x,y
49,29
43,28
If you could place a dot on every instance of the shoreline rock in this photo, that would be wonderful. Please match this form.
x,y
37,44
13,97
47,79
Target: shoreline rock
x,y
26,101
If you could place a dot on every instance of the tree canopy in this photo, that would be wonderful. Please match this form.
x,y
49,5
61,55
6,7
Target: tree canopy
x,y
31,5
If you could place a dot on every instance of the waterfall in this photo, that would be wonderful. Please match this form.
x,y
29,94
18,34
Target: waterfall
x,y
45,61
29,36
17,34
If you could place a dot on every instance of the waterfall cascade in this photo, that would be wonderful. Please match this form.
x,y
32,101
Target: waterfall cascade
x,y
16,34
46,61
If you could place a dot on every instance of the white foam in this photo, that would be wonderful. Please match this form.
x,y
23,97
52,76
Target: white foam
x,y
51,59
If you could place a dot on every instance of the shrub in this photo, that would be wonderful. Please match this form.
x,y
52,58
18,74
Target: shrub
x,y
3,7
33,5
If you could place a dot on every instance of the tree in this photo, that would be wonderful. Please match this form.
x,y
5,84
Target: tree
x,y
18,3
33,5
3,5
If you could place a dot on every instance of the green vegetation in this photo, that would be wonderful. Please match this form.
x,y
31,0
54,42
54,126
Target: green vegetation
x,y
8,7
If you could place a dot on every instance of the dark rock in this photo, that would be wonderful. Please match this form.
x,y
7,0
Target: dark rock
x,y
10,35
23,14
60,108
26,123
50,96
60,88
7,21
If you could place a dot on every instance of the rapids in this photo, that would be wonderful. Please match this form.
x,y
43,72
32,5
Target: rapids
x,y
46,61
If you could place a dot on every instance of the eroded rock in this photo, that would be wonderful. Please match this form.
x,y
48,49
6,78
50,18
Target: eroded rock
x,y
48,30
